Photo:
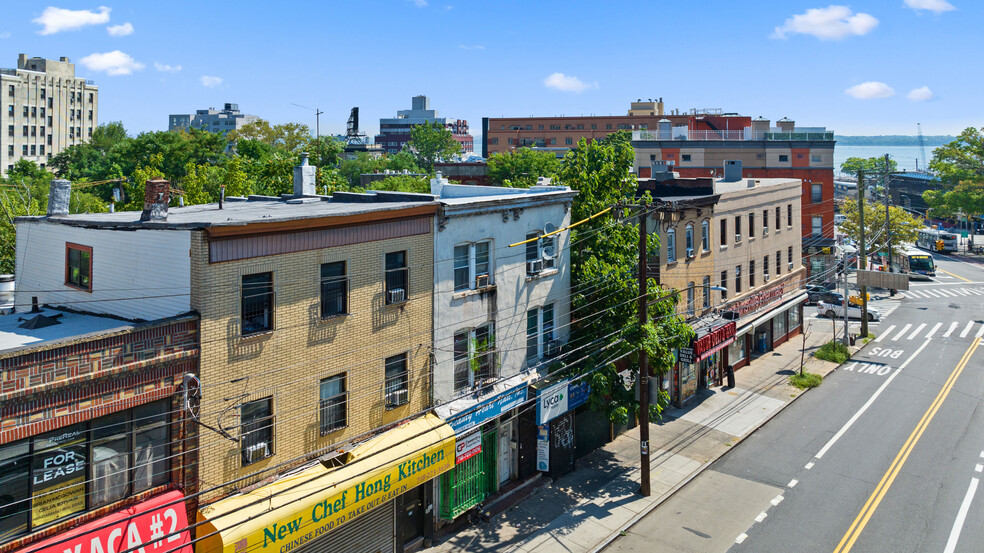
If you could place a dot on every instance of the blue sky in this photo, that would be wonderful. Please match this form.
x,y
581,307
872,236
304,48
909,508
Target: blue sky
x,y
798,59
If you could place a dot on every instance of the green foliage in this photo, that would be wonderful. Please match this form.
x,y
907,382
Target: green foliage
x,y
430,143
805,381
904,226
960,167
833,351
602,275
365,164
520,168
966,198
403,183
871,165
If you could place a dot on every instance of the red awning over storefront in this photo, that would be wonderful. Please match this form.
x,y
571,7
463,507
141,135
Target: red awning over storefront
x,y
714,350
158,524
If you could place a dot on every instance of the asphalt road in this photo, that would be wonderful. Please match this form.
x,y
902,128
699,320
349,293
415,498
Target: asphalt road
x,y
885,456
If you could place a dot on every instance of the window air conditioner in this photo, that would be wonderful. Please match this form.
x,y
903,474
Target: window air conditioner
x,y
765,231
767,277
397,295
257,452
552,348
690,252
481,281
534,267
790,265
737,237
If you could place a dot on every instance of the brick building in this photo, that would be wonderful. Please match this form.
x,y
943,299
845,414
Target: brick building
x,y
394,132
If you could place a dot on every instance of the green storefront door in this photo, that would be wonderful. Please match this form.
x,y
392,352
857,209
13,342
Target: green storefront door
x,y
471,481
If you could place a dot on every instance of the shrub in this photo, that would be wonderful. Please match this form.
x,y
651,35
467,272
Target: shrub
x,y
833,351
806,380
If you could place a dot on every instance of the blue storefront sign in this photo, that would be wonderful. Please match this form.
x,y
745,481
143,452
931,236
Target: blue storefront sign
x,y
560,398
488,410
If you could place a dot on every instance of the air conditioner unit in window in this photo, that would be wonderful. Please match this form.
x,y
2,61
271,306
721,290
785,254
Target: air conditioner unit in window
x,y
397,295
481,281
552,348
765,231
690,252
534,267
737,237
790,265
767,277
257,452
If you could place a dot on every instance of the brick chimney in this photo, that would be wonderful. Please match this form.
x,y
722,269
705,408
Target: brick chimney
x,y
304,178
157,194
58,196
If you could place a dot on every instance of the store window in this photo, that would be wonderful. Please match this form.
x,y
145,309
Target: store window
x,y
736,351
794,320
779,325
83,466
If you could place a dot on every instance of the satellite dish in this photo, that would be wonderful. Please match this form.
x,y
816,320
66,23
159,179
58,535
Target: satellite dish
x,y
549,246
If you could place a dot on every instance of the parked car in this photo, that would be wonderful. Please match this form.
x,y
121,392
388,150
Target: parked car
x,y
836,310
817,294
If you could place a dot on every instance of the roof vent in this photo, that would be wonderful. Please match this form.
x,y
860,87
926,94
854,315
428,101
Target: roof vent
x,y
40,321
58,196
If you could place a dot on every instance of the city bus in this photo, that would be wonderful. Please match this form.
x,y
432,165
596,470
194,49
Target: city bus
x,y
930,238
915,263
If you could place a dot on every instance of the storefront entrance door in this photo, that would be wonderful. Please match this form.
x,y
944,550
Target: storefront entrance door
x,y
410,516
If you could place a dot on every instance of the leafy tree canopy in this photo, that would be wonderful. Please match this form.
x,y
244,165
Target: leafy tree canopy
x,y
430,143
520,168
961,160
871,165
903,229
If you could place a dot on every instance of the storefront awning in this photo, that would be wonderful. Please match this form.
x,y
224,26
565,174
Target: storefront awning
x,y
306,505
798,298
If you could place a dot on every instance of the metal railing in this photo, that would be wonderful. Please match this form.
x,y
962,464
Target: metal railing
x,y
729,135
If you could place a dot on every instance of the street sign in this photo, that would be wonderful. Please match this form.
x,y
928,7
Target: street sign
x,y
881,279
686,356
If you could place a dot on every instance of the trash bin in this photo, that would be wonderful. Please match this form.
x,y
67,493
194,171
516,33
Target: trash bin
x,y
729,372
763,344
853,339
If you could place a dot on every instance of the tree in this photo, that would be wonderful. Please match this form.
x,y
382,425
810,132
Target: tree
x,y
520,168
259,130
403,183
604,283
966,198
871,165
961,160
326,151
903,229
430,143
291,136
365,164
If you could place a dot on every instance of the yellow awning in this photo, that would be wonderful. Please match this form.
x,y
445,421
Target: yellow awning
x,y
304,506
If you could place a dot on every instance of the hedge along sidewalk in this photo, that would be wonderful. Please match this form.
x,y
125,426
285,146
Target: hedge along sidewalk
x,y
587,509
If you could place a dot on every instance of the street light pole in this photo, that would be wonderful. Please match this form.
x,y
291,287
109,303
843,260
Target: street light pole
x,y
862,255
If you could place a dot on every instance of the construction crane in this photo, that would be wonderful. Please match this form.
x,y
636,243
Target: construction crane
x,y
922,149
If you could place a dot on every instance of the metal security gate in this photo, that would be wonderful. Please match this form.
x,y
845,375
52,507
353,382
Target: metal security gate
x,y
562,445
373,532
471,481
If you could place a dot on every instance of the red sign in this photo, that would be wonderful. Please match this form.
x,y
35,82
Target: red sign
x,y
467,446
158,525
719,335
759,299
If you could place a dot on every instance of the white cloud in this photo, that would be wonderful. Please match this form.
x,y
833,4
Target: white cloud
x,y
921,94
211,82
935,6
5,34
113,63
120,30
471,47
567,83
419,3
165,68
870,90
830,23
56,20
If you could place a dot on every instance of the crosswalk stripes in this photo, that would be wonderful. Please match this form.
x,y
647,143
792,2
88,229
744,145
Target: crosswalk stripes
x,y
918,330
935,328
933,293
952,328
902,332
886,333
966,330
980,332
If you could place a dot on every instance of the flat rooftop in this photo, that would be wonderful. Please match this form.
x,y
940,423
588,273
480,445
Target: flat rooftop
x,y
69,325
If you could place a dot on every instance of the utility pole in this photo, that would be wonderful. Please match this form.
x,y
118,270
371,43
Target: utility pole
x,y
862,255
888,223
643,362
317,126
847,338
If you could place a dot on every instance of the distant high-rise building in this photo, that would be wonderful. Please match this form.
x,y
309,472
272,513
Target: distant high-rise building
x,y
395,132
213,120
48,109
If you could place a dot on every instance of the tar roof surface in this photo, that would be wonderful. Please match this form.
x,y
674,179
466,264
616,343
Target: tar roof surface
x,y
69,325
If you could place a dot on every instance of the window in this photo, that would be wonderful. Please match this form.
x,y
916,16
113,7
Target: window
x,y
10,130
10,91
555,127
334,289
608,127
10,110
78,266
816,194
256,430
684,157
494,140
42,111
705,235
397,383
50,123
724,285
670,245
706,291
778,218
765,222
333,404
51,103
544,250
26,111
737,228
594,126
43,92
10,151
751,225
724,231
783,158
817,229
257,303
789,257
90,97
568,141
789,215
737,279
397,277
778,262
690,240
24,150
34,111
24,130
540,128
765,267
41,149
815,158
474,356
539,333
34,150
472,265
751,274
691,298
34,130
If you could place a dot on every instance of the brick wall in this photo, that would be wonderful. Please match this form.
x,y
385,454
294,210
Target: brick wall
x,y
288,363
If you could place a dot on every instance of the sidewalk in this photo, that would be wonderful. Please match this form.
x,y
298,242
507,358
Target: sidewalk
x,y
585,510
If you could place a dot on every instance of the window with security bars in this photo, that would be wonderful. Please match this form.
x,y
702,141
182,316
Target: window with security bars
x,y
257,303
475,359
706,291
691,298
78,266
397,381
256,430
724,285
778,262
397,277
334,289
333,404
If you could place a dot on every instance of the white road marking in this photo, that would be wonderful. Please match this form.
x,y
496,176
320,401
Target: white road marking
x,y
902,332
980,331
916,331
809,465
885,334
761,516
947,293
951,544
935,328
966,331
962,291
931,294
953,327
978,468
792,483
741,538
776,500
871,400
974,291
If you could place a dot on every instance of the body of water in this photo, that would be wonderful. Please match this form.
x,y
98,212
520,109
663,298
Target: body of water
x,y
905,156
